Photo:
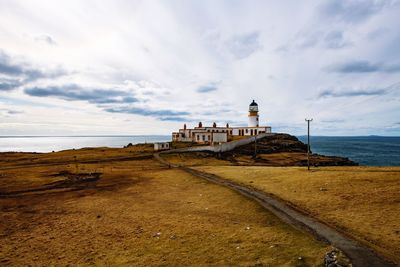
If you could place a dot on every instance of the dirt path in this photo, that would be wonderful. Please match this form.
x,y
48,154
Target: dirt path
x,y
357,253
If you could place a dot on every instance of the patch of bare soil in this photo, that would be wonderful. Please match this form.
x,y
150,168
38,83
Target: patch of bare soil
x,y
71,181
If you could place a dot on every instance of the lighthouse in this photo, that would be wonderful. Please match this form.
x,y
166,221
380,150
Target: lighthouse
x,y
214,134
253,114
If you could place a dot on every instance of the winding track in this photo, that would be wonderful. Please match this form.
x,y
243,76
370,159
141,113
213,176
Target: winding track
x,y
358,254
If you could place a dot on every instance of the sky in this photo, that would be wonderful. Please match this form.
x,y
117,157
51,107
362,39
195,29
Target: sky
x,y
147,67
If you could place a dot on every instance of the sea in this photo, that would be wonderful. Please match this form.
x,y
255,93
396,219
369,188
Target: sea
x,y
366,150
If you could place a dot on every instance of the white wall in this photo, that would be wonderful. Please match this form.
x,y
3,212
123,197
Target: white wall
x,y
220,137
253,121
222,147
161,146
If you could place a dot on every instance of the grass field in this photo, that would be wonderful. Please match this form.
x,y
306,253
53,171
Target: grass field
x,y
362,201
138,213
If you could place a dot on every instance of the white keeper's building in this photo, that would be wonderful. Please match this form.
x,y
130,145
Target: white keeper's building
x,y
214,134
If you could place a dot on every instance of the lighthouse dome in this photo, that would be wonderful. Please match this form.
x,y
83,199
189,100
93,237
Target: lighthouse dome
x,y
252,104
253,107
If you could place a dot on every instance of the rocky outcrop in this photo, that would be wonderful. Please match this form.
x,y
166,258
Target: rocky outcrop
x,y
274,144
281,150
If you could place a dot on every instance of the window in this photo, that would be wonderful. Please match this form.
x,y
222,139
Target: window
x,y
198,138
247,130
204,138
255,132
251,132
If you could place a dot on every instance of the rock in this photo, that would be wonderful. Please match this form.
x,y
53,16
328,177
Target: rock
x,y
335,258
330,259
288,145
129,145
157,234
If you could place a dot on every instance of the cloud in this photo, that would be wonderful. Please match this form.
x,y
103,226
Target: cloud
x,y
161,114
176,119
351,93
46,39
378,33
363,66
242,46
355,66
351,11
207,88
308,40
333,121
11,111
8,84
335,40
9,67
73,92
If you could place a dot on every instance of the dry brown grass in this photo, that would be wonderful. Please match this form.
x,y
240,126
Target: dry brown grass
x,y
362,201
138,214
194,159
10,159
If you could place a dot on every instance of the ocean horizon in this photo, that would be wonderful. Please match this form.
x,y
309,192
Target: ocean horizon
x,y
370,150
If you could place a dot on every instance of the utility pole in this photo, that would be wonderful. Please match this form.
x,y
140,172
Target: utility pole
x,y
308,143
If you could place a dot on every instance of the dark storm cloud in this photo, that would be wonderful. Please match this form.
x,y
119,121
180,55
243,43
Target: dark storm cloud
x,y
73,92
351,11
242,46
363,66
162,114
207,88
351,93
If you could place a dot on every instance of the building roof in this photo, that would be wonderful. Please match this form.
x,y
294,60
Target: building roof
x,y
253,104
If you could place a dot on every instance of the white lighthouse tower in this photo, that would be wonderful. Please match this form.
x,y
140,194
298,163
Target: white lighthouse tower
x,y
253,114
